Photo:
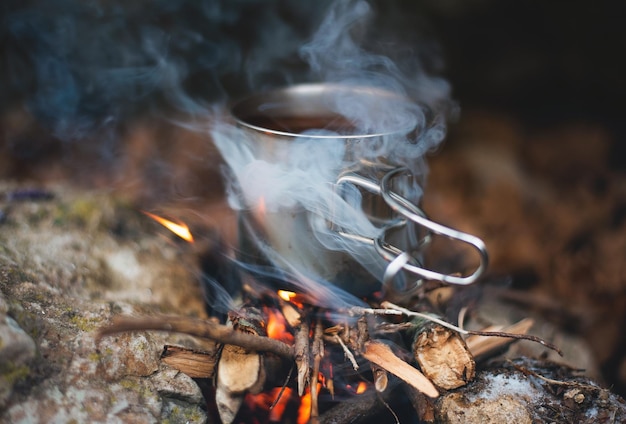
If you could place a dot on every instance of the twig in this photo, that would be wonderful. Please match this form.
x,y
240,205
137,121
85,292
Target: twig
x,y
282,389
357,311
395,416
526,371
198,328
318,352
347,352
301,354
443,323
480,345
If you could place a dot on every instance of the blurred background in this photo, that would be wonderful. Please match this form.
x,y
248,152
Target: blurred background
x,y
92,93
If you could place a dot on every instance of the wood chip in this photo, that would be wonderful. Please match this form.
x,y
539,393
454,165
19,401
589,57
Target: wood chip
x,y
381,355
194,363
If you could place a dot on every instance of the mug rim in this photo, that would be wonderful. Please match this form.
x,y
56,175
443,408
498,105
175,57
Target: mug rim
x,y
298,94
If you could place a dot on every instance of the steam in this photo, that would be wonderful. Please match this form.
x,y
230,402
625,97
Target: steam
x,y
86,68
287,198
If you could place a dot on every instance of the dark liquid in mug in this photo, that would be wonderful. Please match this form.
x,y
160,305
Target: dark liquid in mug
x,y
298,125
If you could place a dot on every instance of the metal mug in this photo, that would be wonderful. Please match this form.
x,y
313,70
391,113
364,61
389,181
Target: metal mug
x,y
293,238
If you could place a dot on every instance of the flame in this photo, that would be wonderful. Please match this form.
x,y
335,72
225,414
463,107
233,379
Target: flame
x,y
264,402
294,298
180,229
361,388
286,295
277,326
304,410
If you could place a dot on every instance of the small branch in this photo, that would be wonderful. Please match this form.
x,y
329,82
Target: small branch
x,y
301,354
443,323
198,328
481,345
318,352
346,351
358,311
518,337
282,389
526,371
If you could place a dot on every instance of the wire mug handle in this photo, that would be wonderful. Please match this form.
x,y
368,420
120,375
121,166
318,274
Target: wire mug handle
x,y
399,259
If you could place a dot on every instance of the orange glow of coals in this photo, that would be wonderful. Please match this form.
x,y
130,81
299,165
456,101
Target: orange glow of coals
x,y
180,229
361,388
264,402
304,410
277,326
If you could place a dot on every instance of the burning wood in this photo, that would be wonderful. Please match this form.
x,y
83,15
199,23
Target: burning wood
x,y
250,363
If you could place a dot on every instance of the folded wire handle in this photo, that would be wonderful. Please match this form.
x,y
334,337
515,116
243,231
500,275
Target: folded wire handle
x,y
401,260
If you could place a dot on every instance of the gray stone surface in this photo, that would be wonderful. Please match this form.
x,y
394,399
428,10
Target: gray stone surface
x,y
67,266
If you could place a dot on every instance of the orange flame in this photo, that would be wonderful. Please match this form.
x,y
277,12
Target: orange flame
x,y
304,410
286,295
277,326
361,388
264,401
180,229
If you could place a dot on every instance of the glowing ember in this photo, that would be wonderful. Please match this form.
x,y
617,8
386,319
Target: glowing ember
x,y
286,295
180,229
261,404
361,388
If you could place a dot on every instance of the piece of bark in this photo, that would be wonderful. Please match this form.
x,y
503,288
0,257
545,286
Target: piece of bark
x,y
381,355
443,357
239,370
194,363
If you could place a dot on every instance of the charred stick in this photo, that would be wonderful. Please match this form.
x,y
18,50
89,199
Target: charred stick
x,y
357,409
301,354
199,328
424,406
317,351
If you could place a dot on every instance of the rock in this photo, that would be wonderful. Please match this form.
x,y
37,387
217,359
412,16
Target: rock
x,y
67,266
17,349
528,391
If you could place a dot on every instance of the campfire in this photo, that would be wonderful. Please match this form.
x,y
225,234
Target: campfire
x,y
330,304
333,307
